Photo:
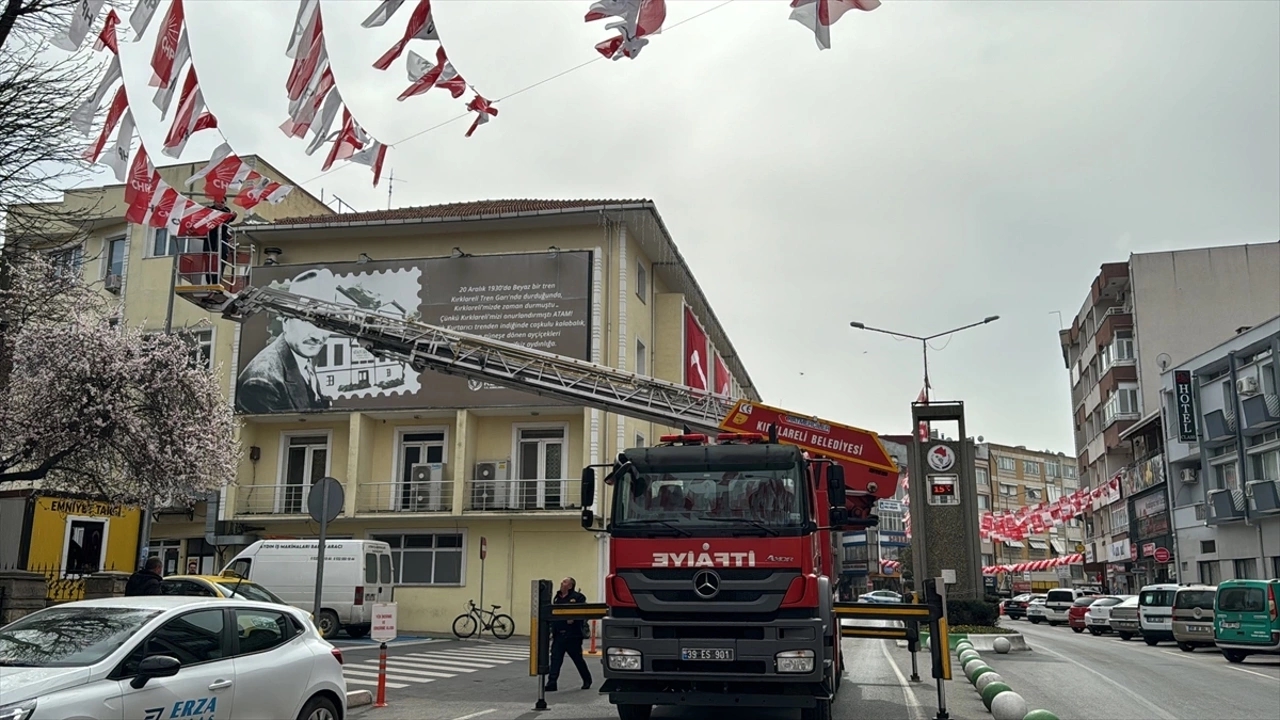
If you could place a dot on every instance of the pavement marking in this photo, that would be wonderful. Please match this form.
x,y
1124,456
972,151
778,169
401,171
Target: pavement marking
x,y
913,702
476,714
425,667
1251,672
1155,709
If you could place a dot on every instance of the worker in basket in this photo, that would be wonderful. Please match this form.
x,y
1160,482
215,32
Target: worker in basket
x,y
218,248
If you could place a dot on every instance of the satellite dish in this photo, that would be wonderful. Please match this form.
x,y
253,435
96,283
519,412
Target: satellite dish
x,y
1163,360
980,438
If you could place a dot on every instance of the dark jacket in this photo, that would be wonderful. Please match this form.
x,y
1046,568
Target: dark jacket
x,y
143,582
272,382
568,629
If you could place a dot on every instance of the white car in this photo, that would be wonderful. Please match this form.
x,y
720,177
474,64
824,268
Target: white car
x,y
1035,612
880,596
165,656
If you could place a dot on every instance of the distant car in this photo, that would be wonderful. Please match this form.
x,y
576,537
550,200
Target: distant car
x,y
1246,619
1036,611
1097,617
1124,618
169,656
1075,614
880,596
217,586
1016,607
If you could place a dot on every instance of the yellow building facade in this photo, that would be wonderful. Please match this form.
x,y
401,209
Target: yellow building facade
x,y
435,465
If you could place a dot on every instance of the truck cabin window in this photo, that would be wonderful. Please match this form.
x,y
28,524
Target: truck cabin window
x,y
751,498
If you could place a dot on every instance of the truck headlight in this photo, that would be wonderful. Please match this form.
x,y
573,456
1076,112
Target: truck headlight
x,y
794,661
619,659
17,711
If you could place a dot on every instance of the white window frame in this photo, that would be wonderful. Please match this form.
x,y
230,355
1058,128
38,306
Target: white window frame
x,y
1002,487
1119,513
283,462
1031,467
397,462
984,502
68,258
642,282
514,497
982,476
466,552
1123,347
640,440
642,358
212,344
66,542
1005,462
106,255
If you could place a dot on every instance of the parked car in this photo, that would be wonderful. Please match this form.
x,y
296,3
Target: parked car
x,y
1057,604
880,596
1015,608
1124,618
217,586
1155,612
1075,614
142,656
1097,617
1035,610
1193,617
1245,618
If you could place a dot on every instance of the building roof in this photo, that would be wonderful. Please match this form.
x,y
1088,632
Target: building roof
x,y
458,210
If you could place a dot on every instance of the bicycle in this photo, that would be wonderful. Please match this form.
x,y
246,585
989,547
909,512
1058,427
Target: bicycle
x,y
466,624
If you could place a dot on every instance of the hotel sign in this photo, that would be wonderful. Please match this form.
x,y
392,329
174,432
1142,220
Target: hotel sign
x,y
1184,402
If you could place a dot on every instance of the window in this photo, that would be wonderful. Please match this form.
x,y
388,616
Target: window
x,y
1266,466
642,282
1209,572
1120,517
429,491
1246,569
1275,567
261,630
193,638
1069,472
1208,546
640,442
1006,463
68,262
425,558
1268,373
983,476
540,469
85,546
984,503
642,359
1034,494
306,460
113,259
1225,476
163,245
1122,346
1124,401
1008,489
988,560
1053,469
201,342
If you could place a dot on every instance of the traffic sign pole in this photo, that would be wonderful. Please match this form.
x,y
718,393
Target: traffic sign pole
x,y
484,553
382,677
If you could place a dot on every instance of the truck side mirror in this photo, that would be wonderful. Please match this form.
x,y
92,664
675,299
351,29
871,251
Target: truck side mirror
x,y
588,487
835,484
588,519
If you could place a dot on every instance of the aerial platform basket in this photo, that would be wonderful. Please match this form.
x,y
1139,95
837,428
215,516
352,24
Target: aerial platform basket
x,y
212,279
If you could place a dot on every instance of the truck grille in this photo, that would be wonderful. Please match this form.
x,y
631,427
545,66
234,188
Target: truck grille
x,y
738,667
741,590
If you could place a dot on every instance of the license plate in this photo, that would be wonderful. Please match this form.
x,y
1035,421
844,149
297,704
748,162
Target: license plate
x,y
1231,625
713,654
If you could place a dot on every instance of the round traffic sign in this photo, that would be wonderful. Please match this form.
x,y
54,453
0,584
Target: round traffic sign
x,y
1161,555
325,500
484,548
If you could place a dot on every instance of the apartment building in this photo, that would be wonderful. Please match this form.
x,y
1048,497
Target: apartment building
x,y
1011,478
1140,318
1222,406
435,465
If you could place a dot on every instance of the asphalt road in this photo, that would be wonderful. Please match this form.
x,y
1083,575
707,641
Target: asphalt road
x,y
876,687
1082,677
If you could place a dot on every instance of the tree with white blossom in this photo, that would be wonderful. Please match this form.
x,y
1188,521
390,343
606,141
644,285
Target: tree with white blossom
x,y
88,404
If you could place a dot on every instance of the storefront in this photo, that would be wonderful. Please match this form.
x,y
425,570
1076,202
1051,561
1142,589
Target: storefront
x,y
1118,574
1153,538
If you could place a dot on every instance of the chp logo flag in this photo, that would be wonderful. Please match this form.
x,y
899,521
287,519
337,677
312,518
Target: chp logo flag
x,y
696,371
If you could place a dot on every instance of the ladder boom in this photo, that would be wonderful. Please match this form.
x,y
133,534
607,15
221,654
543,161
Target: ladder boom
x,y
427,347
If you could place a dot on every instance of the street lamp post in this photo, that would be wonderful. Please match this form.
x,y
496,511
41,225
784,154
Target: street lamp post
x,y
924,340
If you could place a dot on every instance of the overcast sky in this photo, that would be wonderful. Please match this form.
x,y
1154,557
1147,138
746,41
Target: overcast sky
x,y
944,161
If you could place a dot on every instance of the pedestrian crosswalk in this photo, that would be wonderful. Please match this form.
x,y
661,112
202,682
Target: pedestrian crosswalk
x,y
416,668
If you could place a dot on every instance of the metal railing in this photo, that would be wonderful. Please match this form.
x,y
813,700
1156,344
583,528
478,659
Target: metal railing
x,y
433,496
522,495
280,499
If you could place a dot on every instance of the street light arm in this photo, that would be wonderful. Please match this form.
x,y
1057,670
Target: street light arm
x,y
904,336
984,321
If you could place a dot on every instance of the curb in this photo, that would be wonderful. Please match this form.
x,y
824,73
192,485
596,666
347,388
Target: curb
x,y
999,699
359,698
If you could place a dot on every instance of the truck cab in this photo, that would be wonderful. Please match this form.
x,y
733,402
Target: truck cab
x,y
720,579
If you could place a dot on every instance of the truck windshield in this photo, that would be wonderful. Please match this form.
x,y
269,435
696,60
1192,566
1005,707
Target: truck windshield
x,y
740,501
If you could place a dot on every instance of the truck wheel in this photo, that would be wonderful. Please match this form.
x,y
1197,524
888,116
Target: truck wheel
x,y
1125,636
820,712
1152,641
1095,631
328,624
634,712
357,631
1186,647
1077,630
1233,656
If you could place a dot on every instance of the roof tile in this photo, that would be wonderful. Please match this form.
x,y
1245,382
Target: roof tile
x,y
452,210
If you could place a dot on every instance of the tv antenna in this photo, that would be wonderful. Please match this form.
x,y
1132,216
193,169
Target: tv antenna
x,y
391,185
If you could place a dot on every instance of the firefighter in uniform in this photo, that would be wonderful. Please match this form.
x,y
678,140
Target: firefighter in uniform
x,y
566,637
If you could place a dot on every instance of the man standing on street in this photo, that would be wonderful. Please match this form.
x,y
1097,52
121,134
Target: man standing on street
x,y
566,637
146,581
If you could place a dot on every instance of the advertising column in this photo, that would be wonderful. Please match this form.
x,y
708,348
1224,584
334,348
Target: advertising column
x,y
945,539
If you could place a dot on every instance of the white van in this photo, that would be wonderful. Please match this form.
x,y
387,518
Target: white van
x,y
357,574
1155,611
1057,604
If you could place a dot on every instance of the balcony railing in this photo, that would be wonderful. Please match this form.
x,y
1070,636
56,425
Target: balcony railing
x,y
283,499
433,496
522,495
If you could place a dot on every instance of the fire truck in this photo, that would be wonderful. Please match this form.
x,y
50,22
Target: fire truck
x,y
725,541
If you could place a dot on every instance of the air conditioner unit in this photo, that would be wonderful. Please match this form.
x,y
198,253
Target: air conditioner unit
x,y
113,283
1190,476
488,489
426,491
1247,385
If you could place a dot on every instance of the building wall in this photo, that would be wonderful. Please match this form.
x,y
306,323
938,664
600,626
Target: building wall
x,y
62,526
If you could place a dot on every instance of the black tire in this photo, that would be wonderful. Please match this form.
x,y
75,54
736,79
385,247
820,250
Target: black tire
x,y
1125,636
1035,621
1186,647
503,627
319,708
1151,641
357,631
634,712
328,625
1233,656
1077,630
465,625
1095,631
821,711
